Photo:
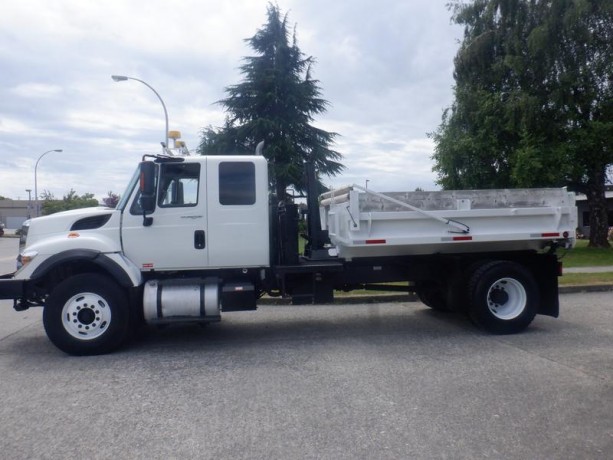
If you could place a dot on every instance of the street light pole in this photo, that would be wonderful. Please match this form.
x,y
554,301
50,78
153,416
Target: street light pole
x,y
124,78
29,190
37,210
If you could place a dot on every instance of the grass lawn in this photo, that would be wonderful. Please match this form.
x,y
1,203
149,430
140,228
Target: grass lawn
x,y
582,256
581,279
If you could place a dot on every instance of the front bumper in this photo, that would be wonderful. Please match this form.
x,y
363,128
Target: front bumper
x,y
11,288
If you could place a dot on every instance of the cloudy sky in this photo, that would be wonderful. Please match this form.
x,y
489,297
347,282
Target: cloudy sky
x,y
385,67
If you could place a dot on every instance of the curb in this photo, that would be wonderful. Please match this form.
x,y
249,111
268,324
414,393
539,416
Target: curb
x,y
585,288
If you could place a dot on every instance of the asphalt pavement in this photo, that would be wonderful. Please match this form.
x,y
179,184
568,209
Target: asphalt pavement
x,y
367,380
394,380
363,380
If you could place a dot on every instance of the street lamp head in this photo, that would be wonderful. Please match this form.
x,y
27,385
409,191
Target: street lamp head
x,y
58,150
124,78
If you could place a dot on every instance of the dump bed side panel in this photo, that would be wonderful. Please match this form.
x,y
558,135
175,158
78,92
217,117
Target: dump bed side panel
x,y
369,224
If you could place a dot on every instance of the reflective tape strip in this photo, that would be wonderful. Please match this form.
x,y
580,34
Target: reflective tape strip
x,y
457,238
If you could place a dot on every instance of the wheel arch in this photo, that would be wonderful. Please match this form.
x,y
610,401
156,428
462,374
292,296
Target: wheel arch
x,y
60,266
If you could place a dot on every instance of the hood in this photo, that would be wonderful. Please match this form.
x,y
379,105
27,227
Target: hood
x,y
65,221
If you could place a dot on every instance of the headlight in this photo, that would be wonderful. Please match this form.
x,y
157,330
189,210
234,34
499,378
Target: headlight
x,y
26,257
23,234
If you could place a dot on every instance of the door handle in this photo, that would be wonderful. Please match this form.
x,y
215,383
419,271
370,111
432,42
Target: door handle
x,y
199,240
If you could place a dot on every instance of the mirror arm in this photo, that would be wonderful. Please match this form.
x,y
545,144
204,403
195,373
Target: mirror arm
x,y
147,221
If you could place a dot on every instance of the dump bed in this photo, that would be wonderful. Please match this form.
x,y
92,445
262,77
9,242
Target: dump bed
x,y
364,223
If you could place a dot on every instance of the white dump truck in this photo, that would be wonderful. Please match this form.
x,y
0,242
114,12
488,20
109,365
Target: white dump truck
x,y
197,236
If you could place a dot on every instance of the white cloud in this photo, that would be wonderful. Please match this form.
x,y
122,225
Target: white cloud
x,y
385,67
18,127
36,90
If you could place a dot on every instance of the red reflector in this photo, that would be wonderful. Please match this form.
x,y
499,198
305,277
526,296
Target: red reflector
x,y
548,235
462,238
375,241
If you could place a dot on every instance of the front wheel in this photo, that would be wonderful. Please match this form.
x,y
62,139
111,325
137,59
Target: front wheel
x,y
503,297
87,314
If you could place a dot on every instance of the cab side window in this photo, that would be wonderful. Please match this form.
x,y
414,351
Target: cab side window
x,y
179,183
236,183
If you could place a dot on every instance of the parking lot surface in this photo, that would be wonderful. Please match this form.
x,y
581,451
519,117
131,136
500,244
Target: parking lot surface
x,y
361,381
390,380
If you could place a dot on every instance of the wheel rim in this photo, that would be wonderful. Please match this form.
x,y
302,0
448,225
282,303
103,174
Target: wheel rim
x,y
506,298
86,316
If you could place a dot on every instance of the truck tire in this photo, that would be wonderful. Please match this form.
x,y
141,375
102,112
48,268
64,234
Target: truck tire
x,y
503,297
87,314
457,291
432,295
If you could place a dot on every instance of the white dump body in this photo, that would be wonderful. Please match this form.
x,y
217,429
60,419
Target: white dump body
x,y
364,223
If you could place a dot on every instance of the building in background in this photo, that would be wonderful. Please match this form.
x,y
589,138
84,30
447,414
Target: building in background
x,y
583,211
13,213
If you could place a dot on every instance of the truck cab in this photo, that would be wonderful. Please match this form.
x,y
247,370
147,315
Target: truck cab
x,y
208,213
194,238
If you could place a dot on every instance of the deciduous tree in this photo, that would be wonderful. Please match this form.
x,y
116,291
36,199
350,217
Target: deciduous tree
x,y
70,201
533,100
111,200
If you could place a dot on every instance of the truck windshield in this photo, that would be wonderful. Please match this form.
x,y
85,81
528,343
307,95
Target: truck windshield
x,y
126,195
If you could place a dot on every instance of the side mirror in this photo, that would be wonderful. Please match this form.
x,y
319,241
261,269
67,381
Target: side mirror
x,y
147,190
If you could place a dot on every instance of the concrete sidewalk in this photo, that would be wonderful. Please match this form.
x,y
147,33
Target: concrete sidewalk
x,y
603,269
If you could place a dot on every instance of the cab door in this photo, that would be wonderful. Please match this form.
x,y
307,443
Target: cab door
x,y
177,236
237,209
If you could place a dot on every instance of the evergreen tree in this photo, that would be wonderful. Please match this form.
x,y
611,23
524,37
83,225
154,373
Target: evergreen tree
x,y
276,102
533,100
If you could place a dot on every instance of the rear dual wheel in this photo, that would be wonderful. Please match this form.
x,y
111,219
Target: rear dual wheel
x,y
432,295
503,297
449,296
